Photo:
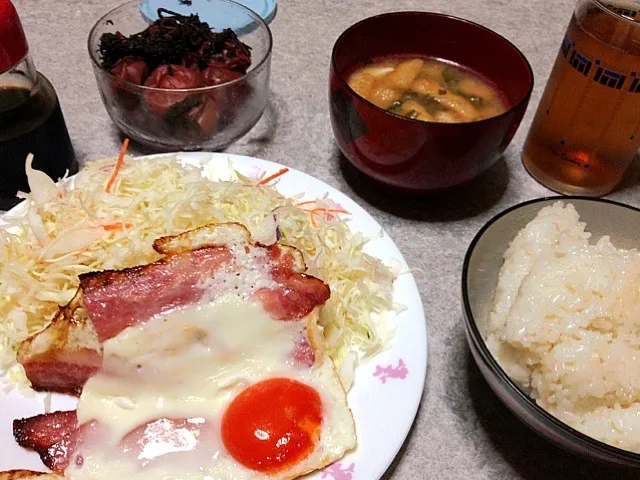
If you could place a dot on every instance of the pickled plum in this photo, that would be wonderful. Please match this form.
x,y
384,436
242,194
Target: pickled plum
x,y
216,75
130,69
170,77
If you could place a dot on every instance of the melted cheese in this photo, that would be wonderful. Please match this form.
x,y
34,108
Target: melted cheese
x,y
190,363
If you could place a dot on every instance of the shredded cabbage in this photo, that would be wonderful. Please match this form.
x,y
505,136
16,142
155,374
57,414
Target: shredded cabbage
x,y
67,230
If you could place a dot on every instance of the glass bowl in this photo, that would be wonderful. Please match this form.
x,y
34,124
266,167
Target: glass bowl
x,y
217,115
415,156
482,264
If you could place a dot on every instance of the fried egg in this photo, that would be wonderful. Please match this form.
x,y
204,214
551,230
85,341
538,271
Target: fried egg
x,y
216,390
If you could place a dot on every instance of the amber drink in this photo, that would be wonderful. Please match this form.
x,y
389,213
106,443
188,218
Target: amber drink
x,y
586,130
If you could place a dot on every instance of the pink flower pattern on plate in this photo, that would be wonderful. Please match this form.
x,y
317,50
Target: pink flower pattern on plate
x,y
336,471
384,373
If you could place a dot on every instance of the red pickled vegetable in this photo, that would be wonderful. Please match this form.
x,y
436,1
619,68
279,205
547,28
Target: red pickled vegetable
x,y
175,53
130,69
206,116
215,75
174,77
240,62
170,77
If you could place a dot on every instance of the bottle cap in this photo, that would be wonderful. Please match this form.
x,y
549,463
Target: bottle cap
x,y
13,43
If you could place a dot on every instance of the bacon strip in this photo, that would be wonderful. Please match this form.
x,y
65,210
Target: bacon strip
x,y
57,438
66,354
40,432
159,437
69,351
54,436
58,455
297,293
62,371
116,300
51,435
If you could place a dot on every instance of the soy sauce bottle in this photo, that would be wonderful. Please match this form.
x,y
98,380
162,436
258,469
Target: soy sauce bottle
x,y
31,120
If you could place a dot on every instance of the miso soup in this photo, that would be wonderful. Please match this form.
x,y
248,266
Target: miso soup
x,y
427,89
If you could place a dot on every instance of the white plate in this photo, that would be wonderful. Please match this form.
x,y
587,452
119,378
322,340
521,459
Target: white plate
x,y
387,389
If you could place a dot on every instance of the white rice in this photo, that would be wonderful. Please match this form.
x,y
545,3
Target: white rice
x,y
565,325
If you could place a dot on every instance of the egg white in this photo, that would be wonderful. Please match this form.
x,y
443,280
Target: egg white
x,y
191,363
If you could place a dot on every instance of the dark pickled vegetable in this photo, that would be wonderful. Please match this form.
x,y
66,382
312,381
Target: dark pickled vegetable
x,y
176,39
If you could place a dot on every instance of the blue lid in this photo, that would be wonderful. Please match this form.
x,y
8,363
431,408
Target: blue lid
x,y
222,15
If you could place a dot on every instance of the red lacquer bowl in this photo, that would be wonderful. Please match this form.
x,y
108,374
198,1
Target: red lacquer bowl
x,y
412,155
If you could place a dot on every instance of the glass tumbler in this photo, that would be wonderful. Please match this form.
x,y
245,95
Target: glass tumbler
x,y
586,130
